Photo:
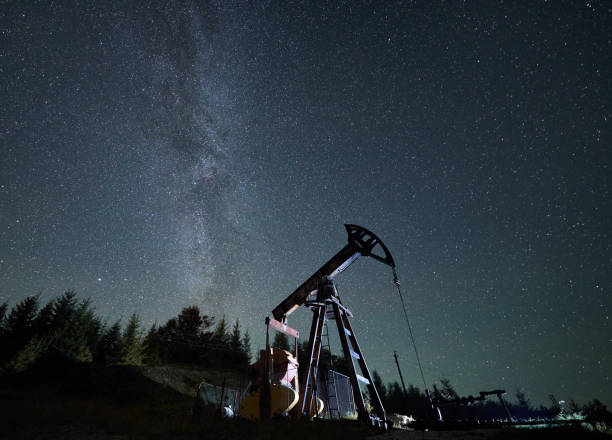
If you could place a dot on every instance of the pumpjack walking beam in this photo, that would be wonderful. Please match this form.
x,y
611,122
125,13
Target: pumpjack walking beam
x,y
360,242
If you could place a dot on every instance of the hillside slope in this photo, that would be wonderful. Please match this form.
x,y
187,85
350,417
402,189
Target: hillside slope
x,y
83,401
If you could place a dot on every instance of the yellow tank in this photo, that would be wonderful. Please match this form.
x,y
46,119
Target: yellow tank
x,y
283,394
282,400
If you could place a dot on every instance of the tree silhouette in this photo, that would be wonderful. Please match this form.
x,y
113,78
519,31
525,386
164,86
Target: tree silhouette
x,y
380,387
191,322
43,324
447,390
522,399
235,339
596,411
63,309
3,309
522,409
246,346
185,338
35,349
90,323
72,327
66,328
110,349
19,328
152,347
221,336
281,341
239,356
70,342
132,340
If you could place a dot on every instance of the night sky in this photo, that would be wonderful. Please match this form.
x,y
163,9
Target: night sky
x,y
166,154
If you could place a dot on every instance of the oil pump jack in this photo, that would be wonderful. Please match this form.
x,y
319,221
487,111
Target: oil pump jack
x,y
319,294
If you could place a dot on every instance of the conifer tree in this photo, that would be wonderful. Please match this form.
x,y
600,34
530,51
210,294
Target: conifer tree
x,y
447,391
131,333
33,350
20,321
221,336
597,411
132,340
110,349
3,309
90,324
43,324
152,347
190,323
378,384
239,356
219,353
522,399
19,327
76,329
170,341
246,346
70,342
235,339
281,341
63,308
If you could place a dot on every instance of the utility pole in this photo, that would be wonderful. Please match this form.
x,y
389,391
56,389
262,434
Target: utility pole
x,y
400,372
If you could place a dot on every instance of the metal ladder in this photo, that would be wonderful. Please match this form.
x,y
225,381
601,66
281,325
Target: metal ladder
x,y
330,380
309,397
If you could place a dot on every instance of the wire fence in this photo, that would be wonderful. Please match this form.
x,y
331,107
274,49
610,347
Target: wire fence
x,y
336,392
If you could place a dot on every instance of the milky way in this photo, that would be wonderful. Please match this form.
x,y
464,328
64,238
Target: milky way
x,y
167,154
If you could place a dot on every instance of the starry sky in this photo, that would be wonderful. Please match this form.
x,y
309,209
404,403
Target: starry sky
x,y
155,155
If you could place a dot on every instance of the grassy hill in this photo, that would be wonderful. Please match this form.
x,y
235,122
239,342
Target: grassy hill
x,y
74,400
84,401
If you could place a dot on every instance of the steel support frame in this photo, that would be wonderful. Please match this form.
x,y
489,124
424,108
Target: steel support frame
x,y
327,294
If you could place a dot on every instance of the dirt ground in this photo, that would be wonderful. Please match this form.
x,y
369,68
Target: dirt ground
x,y
476,434
574,433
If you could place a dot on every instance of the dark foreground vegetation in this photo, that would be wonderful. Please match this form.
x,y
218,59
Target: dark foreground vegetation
x,y
85,401
66,373
71,400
